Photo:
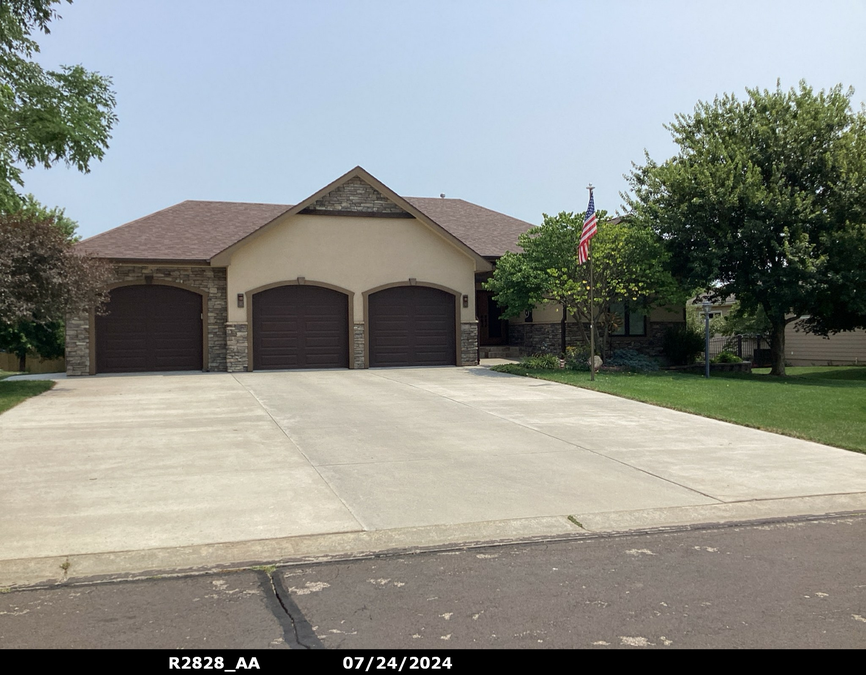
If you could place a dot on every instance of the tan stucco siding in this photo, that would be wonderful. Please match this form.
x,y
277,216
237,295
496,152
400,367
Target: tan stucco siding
x,y
548,313
356,254
669,313
552,313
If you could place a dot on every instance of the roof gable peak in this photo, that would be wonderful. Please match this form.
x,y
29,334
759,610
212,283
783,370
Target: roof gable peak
x,y
354,196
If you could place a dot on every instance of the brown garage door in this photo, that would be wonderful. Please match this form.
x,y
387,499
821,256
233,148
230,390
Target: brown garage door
x,y
300,327
150,328
412,326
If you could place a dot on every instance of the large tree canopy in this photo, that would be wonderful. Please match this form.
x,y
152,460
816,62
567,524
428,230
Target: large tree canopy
x,y
766,201
46,116
628,267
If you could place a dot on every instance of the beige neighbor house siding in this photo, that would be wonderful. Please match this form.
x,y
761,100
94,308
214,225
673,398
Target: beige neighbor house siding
x,y
804,349
355,255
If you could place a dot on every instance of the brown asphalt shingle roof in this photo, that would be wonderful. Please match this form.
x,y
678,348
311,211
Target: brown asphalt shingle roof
x,y
199,230
191,230
488,233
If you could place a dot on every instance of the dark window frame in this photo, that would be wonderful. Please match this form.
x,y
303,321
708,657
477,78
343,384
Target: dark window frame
x,y
627,328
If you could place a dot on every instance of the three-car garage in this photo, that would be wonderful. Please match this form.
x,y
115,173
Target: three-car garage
x,y
160,328
354,276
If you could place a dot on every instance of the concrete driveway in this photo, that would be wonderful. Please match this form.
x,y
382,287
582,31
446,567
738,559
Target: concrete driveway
x,y
116,474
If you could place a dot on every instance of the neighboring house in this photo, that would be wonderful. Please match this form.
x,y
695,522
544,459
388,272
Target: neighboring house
x,y
807,349
841,349
354,276
720,307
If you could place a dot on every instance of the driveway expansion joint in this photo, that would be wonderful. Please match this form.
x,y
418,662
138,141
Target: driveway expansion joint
x,y
557,438
301,451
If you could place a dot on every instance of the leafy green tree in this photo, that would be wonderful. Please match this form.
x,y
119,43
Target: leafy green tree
x,y
740,322
628,266
766,200
28,337
28,206
46,116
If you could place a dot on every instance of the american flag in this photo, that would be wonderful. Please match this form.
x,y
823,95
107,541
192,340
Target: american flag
x,y
590,227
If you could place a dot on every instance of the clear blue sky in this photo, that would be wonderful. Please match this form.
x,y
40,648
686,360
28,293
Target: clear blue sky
x,y
512,105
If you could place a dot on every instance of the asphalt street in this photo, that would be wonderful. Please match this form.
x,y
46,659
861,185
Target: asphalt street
x,y
797,583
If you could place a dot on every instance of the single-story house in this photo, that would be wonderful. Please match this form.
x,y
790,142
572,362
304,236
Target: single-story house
x,y
353,276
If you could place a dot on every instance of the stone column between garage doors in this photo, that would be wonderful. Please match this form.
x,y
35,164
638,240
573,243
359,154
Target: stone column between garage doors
x,y
469,343
237,347
358,345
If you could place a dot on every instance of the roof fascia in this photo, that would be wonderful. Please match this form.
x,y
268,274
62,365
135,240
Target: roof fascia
x,y
176,262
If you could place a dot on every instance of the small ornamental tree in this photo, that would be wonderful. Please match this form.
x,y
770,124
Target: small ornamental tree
x,y
628,267
42,279
28,337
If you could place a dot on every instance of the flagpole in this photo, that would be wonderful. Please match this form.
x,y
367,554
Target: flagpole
x,y
591,306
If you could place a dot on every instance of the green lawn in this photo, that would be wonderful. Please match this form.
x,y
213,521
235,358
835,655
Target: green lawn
x,y
12,393
824,404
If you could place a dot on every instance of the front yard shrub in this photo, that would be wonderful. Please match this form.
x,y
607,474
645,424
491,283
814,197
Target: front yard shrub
x,y
726,357
632,361
577,358
682,345
540,362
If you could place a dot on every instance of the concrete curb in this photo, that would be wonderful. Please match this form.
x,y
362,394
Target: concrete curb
x,y
211,558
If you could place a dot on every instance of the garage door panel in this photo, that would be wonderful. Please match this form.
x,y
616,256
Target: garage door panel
x,y
300,327
150,327
412,325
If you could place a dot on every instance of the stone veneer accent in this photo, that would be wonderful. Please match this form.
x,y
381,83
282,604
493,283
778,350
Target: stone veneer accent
x,y
209,279
355,195
537,338
545,338
469,343
651,345
237,347
358,346
78,345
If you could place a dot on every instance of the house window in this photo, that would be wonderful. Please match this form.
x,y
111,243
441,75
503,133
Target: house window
x,y
631,323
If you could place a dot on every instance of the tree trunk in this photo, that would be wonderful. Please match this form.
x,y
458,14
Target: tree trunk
x,y
777,348
22,362
562,331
